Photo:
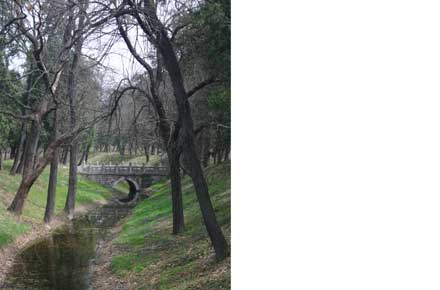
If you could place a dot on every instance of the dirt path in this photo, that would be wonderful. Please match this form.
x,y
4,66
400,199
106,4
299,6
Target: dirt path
x,y
102,276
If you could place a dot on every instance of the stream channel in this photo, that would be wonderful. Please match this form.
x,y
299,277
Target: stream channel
x,y
65,260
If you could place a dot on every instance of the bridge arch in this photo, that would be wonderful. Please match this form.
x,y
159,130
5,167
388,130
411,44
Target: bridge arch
x,y
134,189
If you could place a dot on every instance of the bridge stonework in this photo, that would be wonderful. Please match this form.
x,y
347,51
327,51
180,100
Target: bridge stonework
x,y
141,176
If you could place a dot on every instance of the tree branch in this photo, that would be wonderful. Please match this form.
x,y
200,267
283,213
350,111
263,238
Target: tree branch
x,y
201,86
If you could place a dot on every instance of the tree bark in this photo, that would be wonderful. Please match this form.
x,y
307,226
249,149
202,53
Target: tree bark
x,y
71,92
176,183
165,134
186,138
28,179
147,156
85,155
206,148
19,152
39,111
73,180
51,191
37,150
21,163
226,153
30,148
65,155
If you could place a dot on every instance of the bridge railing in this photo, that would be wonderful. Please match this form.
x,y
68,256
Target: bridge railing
x,y
123,169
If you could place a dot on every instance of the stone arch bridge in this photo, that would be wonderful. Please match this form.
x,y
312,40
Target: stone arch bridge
x,y
137,176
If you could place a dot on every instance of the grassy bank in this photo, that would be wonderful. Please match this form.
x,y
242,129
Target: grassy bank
x,y
116,158
33,212
150,256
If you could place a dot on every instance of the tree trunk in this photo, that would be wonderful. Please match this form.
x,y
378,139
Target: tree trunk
x,y
37,151
147,156
30,148
71,92
186,140
84,155
65,155
13,150
206,148
51,191
28,166
73,166
73,179
19,157
21,162
176,184
29,178
81,160
87,155
226,153
165,133
213,228
1,159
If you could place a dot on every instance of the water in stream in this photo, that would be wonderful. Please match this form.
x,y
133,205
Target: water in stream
x,y
64,260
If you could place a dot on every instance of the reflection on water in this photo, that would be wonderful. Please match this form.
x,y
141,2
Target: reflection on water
x,y
63,261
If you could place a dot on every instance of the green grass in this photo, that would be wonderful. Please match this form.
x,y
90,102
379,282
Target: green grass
x,y
154,258
33,212
116,158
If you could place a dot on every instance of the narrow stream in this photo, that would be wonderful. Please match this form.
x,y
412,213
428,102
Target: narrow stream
x,y
64,261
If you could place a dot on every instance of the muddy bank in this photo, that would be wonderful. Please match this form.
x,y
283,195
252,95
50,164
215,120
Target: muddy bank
x,y
102,276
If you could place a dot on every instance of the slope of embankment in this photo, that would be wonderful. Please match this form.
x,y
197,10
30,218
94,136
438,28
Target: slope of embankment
x,y
14,233
145,255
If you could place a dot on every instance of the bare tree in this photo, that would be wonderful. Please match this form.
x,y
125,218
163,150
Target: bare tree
x,y
181,139
71,92
29,22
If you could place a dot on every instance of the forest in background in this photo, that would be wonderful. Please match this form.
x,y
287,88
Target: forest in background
x,y
61,101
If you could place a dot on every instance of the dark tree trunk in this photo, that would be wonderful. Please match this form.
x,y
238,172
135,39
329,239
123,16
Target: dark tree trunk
x,y
17,156
87,155
65,155
28,167
226,153
17,204
186,140
176,183
165,132
1,159
71,92
73,179
84,155
147,156
13,150
37,152
21,161
30,148
206,148
31,172
29,178
81,160
51,191
73,166
17,167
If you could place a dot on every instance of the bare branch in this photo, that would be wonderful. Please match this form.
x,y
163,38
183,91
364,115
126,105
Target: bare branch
x,y
201,86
